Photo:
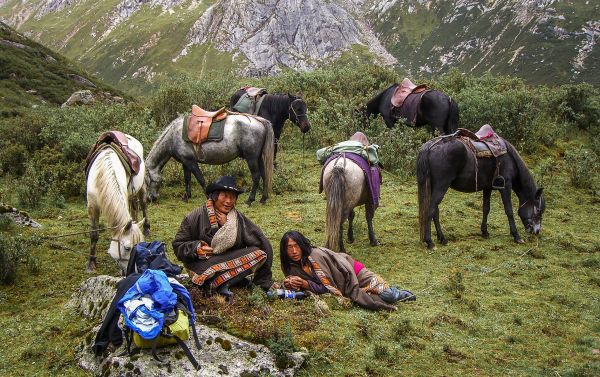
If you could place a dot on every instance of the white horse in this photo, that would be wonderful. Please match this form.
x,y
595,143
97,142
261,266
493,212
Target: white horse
x,y
114,193
346,187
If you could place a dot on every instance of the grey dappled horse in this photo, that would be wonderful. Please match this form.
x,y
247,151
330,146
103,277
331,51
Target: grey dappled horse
x,y
446,162
245,136
346,187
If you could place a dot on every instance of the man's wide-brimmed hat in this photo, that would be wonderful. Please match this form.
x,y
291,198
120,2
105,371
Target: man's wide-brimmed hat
x,y
224,183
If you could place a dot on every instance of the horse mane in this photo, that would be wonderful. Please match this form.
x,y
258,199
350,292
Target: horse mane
x,y
159,140
275,102
113,196
373,105
526,179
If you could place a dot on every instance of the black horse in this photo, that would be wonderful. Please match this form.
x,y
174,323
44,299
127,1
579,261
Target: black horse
x,y
446,162
436,109
277,108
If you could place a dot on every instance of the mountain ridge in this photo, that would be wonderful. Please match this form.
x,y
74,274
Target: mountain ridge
x,y
126,41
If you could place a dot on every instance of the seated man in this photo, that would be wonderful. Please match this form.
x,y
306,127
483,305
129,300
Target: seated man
x,y
219,246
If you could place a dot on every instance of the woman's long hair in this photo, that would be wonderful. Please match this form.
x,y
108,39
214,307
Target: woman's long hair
x,y
304,244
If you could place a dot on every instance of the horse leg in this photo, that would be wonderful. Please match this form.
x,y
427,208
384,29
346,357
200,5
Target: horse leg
x,y
195,169
350,231
436,199
438,227
507,202
487,193
370,213
389,121
261,171
187,177
254,167
94,215
142,199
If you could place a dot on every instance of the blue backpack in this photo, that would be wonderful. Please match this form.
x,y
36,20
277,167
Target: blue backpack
x,y
152,309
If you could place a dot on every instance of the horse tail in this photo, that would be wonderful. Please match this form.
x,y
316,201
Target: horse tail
x,y
452,118
336,197
268,157
424,189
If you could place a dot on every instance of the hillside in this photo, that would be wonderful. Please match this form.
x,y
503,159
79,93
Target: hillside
x,y
135,43
32,75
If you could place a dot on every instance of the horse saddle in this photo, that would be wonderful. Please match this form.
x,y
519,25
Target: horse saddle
x,y
485,143
199,122
254,92
117,140
403,90
250,101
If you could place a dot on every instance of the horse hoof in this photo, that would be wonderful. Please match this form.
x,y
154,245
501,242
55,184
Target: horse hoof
x,y
263,201
90,269
249,202
485,235
350,240
444,242
184,198
431,246
519,240
375,243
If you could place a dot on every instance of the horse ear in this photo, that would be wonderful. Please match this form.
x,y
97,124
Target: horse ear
x,y
539,192
128,226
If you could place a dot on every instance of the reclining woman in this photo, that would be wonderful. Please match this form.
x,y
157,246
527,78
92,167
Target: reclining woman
x,y
321,270
219,246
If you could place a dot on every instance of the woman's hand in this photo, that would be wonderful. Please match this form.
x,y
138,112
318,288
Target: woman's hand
x,y
296,283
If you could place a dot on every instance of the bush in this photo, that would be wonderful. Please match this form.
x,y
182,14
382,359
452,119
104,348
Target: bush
x,y
583,166
12,252
48,173
12,159
282,344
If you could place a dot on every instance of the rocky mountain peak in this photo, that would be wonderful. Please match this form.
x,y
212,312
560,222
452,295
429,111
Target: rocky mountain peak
x,y
272,34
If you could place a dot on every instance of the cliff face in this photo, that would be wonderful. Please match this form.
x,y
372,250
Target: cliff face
x,y
272,34
126,41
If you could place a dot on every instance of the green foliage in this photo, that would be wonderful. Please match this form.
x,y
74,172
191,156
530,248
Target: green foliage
x,y
583,166
282,344
32,75
48,172
12,252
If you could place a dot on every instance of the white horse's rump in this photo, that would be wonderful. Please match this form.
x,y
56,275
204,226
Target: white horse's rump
x,y
111,192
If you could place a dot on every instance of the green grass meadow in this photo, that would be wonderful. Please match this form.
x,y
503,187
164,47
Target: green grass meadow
x,y
485,307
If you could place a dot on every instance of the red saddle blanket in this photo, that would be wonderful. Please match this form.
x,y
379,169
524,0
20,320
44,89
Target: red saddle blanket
x,y
118,141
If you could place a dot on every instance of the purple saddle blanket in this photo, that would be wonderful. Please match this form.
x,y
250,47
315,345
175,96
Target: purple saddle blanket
x,y
372,173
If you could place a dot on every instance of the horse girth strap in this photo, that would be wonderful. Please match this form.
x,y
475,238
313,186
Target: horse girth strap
x,y
199,123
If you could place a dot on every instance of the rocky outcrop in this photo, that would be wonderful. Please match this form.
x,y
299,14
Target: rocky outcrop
x,y
272,34
19,217
221,353
86,97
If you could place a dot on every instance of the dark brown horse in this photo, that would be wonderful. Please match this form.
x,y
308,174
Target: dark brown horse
x,y
277,108
435,108
446,162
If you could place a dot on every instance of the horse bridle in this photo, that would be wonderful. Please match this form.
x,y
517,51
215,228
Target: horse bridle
x,y
291,110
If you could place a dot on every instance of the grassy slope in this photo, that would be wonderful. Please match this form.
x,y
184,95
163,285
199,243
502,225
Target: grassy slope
x,y
39,69
521,313
130,40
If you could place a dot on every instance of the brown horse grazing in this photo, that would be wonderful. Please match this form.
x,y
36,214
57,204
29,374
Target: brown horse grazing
x,y
446,162
346,187
435,108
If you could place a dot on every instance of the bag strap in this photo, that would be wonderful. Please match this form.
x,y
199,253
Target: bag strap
x,y
187,351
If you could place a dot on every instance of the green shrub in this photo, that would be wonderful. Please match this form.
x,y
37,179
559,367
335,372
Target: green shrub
x,y
12,252
282,344
12,159
583,166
